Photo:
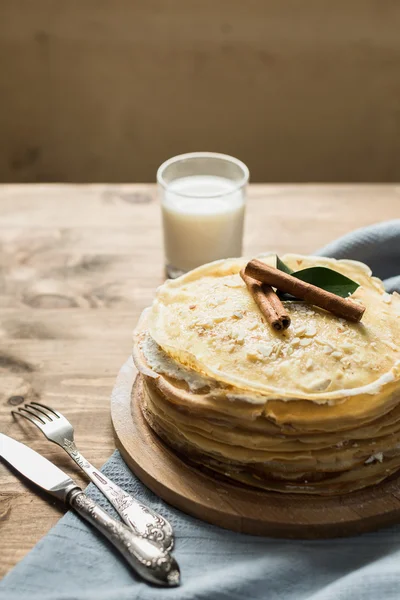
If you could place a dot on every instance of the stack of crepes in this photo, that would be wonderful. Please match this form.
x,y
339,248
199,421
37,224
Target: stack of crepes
x,y
314,409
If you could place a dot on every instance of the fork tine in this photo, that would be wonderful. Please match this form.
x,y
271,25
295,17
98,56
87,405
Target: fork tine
x,y
22,411
46,408
19,414
39,410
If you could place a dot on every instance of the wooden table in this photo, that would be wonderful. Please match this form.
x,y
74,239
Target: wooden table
x,y
78,264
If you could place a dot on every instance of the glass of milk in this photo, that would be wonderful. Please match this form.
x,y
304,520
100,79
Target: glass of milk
x,y
203,203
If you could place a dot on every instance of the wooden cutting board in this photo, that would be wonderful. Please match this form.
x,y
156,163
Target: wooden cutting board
x,y
235,507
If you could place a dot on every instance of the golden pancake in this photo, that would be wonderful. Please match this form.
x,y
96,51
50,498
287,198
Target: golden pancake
x,y
316,407
208,321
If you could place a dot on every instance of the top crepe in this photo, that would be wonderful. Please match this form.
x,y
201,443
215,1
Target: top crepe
x,y
208,322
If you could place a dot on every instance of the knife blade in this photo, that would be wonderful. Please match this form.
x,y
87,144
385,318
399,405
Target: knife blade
x,y
35,467
146,558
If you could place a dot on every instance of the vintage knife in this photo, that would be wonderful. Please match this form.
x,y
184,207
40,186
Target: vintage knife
x,y
145,557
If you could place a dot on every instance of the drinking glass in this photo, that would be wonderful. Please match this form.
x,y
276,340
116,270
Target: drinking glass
x,y
203,198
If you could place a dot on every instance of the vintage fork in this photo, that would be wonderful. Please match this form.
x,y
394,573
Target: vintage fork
x,y
142,519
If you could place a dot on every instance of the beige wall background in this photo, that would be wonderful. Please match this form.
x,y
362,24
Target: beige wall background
x,y
105,90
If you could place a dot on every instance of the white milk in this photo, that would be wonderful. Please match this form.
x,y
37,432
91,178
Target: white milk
x,y
203,224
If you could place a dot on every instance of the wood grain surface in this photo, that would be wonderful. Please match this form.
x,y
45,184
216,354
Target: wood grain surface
x,y
78,264
236,507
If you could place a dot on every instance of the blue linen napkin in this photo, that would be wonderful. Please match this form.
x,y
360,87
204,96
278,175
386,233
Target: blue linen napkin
x,y
73,562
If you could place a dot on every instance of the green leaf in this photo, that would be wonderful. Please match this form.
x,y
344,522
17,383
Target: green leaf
x,y
328,280
287,297
282,267
322,277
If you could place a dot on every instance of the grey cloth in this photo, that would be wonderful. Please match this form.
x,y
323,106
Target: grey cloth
x,y
74,563
378,246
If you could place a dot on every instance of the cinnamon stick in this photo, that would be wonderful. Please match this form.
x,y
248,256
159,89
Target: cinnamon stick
x,y
268,302
341,307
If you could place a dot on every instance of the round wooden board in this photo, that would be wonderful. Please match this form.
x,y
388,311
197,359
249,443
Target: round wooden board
x,y
233,507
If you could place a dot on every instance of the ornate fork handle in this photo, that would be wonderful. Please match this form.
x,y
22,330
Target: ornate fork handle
x,y
140,518
146,557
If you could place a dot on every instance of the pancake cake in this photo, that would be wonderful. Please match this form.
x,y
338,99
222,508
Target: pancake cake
x,y
312,409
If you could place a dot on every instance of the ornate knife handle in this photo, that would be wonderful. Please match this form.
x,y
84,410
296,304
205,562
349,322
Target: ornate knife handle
x,y
145,557
140,518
